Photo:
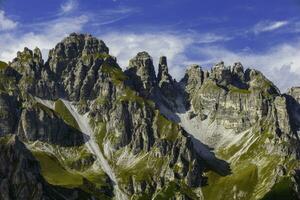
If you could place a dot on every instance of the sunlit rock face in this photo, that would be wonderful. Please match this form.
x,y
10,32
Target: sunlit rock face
x,y
81,127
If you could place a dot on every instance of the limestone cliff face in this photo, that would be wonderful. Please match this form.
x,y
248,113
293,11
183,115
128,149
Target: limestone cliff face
x,y
141,70
8,114
136,135
21,177
243,103
232,97
123,119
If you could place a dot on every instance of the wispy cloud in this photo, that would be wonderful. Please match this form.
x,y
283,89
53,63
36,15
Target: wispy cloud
x,y
109,16
125,45
267,26
6,23
281,63
52,32
68,6
45,34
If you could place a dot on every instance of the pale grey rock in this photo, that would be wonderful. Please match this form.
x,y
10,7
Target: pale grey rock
x,y
142,73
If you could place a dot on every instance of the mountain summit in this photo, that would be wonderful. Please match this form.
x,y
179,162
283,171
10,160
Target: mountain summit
x,y
79,127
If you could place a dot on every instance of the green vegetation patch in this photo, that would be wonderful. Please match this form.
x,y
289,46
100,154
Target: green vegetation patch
x,y
65,114
100,133
25,57
234,89
172,188
166,129
95,56
5,139
90,181
100,100
116,73
3,65
55,173
241,183
210,85
168,192
98,178
253,168
143,170
283,190
131,95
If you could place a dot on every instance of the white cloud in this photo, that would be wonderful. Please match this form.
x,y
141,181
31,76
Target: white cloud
x,y
6,23
267,26
52,32
68,6
281,64
48,33
126,45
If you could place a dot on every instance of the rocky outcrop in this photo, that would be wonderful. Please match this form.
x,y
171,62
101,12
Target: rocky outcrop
x,y
295,93
163,76
194,76
229,95
58,77
8,114
141,72
141,125
168,89
87,54
119,106
20,176
34,76
39,123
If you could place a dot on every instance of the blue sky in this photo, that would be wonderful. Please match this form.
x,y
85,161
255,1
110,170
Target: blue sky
x,y
261,34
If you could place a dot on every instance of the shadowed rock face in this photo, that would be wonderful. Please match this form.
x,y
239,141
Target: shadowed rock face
x,y
147,127
38,124
9,114
142,72
235,98
21,178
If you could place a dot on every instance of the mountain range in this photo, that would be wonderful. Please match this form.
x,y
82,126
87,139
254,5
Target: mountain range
x,y
77,126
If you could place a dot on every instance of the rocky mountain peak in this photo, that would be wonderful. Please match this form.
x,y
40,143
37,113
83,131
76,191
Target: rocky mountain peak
x,y
77,44
295,93
24,55
163,72
219,66
121,135
37,55
237,68
143,61
221,73
74,47
193,77
142,72
28,62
